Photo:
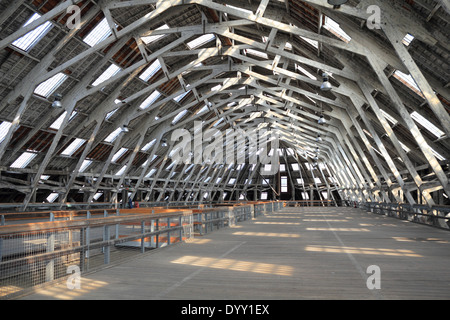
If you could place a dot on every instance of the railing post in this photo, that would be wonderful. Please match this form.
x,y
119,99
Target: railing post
x,y
50,267
168,232
143,237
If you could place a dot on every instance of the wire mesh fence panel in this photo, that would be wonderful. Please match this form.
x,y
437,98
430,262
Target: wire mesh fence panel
x,y
34,254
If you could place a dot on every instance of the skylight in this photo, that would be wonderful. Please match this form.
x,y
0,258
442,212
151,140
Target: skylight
x,y
109,73
205,108
113,136
85,165
150,173
58,122
52,197
179,116
427,124
150,39
314,43
119,154
74,146
305,72
26,42
99,33
4,128
24,160
408,80
405,147
150,71
121,171
181,96
46,88
257,53
335,29
437,155
149,160
240,9
200,41
408,39
150,100
148,145
389,118
97,196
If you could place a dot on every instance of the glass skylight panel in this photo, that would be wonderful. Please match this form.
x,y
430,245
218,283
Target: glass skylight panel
x,y
74,146
295,167
24,160
437,155
232,181
121,171
408,39
113,136
317,180
305,72
150,71
216,88
26,42
405,147
149,160
218,122
179,116
257,53
240,9
205,108
85,165
148,145
119,154
99,33
97,196
314,43
408,80
58,122
198,42
427,124
150,100
264,195
299,180
150,39
109,73
334,28
52,197
150,173
389,118
46,88
4,128
181,96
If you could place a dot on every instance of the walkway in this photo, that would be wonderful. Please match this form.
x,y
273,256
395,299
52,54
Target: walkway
x,y
296,253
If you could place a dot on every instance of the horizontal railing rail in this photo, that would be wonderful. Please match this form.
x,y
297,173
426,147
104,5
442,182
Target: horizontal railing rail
x,y
37,253
436,215
37,248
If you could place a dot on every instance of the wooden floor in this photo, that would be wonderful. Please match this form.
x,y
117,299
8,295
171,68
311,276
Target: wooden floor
x,y
297,253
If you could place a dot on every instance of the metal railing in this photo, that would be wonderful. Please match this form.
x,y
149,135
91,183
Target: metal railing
x,y
316,203
436,216
208,219
37,253
37,248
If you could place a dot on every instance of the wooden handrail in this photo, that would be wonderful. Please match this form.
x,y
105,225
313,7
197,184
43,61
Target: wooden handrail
x,y
77,224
